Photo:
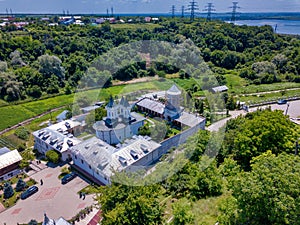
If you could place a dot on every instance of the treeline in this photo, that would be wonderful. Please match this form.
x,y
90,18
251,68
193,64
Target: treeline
x,y
256,172
45,60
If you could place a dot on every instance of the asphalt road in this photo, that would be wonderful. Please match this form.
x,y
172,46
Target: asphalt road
x,y
293,112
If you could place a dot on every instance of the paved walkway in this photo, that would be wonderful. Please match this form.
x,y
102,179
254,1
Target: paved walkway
x,y
53,198
92,219
293,112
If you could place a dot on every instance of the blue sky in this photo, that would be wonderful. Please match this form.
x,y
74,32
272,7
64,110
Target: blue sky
x,y
141,6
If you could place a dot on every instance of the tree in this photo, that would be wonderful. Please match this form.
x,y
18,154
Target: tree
x,y
269,194
35,91
50,65
130,205
53,156
8,191
22,133
145,130
21,184
3,66
16,59
251,135
182,212
33,222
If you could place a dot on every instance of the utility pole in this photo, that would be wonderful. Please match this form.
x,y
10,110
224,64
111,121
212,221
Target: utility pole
x,y
173,11
182,11
234,11
193,7
209,8
112,11
287,109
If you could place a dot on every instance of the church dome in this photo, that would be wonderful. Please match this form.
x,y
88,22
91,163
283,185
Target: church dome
x,y
174,90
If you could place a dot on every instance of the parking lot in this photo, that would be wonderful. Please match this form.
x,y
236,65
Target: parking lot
x,y
53,198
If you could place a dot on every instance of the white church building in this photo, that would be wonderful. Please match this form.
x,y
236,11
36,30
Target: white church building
x,y
120,123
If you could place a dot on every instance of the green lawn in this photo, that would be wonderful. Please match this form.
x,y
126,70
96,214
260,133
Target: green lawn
x,y
264,87
270,96
14,114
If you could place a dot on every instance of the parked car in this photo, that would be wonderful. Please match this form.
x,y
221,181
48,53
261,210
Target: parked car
x,y
281,102
30,191
67,178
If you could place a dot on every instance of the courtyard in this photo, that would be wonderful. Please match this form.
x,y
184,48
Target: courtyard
x,y
53,198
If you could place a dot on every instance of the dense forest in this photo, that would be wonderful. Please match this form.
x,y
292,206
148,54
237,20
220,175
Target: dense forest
x,y
255,177
42,60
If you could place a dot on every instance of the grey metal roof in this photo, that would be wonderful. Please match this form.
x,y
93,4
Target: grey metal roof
x,y
189,119
57,135
9,158
152,105
174,90
4,150
124,102
63,115
106,159
220,89
101,125
90,108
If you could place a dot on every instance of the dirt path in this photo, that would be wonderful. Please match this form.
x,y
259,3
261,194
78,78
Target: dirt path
x,y
30,120
135,81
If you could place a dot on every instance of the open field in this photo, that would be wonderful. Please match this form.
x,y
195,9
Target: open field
x,y
14,114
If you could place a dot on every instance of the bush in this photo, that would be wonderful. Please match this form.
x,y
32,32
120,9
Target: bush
x,y
8,191
22,133
20,185
53,156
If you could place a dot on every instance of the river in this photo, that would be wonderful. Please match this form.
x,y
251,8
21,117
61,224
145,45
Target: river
x,y
281,26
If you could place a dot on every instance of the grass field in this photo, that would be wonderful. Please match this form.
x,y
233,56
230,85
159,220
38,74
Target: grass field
x,y
270,96
14,114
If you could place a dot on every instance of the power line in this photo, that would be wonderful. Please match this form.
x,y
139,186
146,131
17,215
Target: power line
x,y
234,11
193,7
209,8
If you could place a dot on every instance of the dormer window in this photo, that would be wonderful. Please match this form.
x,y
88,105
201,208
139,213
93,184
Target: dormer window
x,y
144,148
122,160
134,154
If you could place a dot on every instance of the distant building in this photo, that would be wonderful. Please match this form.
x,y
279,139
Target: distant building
x,y
9,163
147,19
220,89
98,160
61,117
58,137
120,123
89,108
